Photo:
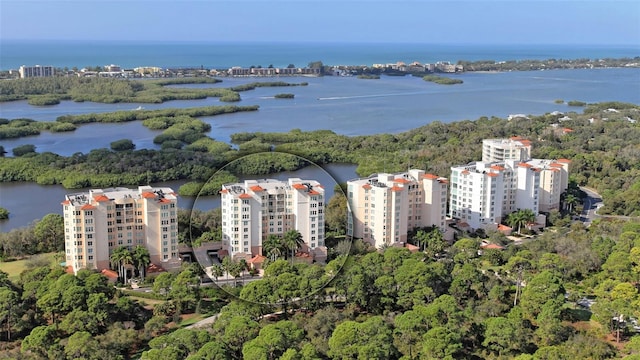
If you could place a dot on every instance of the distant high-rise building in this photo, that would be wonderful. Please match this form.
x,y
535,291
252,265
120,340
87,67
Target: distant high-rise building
x,y
385,207
515,148
255,209
36,71
100,220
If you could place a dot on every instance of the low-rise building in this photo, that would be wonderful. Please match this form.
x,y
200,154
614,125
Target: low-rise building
x,y
36,71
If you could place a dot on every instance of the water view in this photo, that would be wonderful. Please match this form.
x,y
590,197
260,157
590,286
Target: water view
x,y
349,106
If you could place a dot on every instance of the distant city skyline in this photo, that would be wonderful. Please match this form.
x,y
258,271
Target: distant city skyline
x,y
351,21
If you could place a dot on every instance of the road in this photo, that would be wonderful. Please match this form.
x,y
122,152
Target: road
x,y
592,202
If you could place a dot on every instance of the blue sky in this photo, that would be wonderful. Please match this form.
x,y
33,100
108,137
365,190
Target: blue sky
x,y
429,21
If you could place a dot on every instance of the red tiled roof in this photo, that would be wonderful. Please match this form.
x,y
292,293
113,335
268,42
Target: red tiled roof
x,y
245,196
466,172
516,138
109,273
525,142
258,259
68,269
224,191
299,187
401,181
567,130
524,165
503,227
101,198
396,188
66,202
492,174
148,195
313,192
256,188
492,246
443,181
163,200
497,167
556,165
366,186
430,176
564,160
87,207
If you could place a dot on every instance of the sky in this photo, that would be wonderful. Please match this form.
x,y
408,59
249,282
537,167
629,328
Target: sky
x,y
610,22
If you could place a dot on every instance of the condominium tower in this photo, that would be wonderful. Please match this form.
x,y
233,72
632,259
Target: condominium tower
x,y
506,180
100,220
515,148
36,71
384,207
255,209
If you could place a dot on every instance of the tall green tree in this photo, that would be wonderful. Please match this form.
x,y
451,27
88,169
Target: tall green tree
x,y
293,241
141,259
50,233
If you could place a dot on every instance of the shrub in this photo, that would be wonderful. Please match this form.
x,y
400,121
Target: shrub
x,y
122,145
4,213
24,149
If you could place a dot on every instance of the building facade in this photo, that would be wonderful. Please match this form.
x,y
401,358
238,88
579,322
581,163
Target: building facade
x,y
36,71
385,207
255,209
506,180
101,220
515,148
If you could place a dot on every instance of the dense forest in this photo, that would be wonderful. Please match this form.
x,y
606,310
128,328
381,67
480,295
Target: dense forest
x,y
572,293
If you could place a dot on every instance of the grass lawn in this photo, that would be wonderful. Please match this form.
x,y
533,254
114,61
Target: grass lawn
x,y
15,268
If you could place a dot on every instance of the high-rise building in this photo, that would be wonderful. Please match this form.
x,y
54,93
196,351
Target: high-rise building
x,y
515,148
36,71
255,209
506,180
385,207
554,180
100,220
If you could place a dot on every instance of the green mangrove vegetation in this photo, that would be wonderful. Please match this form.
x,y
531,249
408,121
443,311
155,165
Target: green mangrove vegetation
x,y
51,90
441,80
576,103
369,76
603,148
17,128
284,96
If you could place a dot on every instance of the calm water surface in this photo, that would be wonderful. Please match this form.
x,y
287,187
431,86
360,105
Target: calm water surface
x,y
349,106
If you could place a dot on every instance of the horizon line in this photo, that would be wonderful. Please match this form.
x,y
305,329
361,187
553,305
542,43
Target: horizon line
x,y
315,42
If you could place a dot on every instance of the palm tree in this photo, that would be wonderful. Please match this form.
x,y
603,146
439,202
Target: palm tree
x,y
120,257
227,265
422,238
521,217
244,266
570,201
141,259
293,241
272,247
217,271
